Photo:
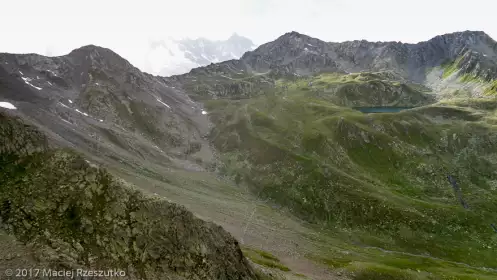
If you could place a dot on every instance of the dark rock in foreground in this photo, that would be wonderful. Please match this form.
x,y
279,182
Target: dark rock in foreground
x,y
74,216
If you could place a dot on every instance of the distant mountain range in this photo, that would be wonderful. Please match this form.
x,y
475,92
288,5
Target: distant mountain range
x,y
278,124
172,57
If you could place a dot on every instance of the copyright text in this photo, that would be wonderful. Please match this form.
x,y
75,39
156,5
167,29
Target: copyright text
x,y
65,274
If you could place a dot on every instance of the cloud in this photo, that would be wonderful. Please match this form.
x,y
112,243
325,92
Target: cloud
x,y
56,26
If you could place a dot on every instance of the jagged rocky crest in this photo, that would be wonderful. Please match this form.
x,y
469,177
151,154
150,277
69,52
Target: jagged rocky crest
x,y
296,55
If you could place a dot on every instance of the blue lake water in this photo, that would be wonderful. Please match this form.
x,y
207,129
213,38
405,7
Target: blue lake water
x,y
381,109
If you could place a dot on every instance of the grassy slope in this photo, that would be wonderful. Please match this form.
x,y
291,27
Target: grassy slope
x,y
372,180
453,67
361,89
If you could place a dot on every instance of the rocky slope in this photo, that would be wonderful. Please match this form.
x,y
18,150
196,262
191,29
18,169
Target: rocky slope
x,y
451,63
279,121
96,101
75,216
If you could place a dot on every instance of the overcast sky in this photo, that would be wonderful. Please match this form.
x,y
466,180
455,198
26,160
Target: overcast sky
x,y
56,27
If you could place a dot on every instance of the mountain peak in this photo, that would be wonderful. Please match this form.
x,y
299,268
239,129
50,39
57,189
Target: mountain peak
x,y
294,34
235,36
466,35
90,48
99,55
92,51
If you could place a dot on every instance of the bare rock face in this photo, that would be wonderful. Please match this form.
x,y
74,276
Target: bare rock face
x,y
311,55
97,101
77,216
294,55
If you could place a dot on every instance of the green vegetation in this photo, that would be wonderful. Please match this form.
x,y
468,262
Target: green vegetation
x,y
467,78
373,180
359,89
450,67
492,88
264,258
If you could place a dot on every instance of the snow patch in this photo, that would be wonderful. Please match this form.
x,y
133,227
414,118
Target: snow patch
x,y
21,72
85,114
53,73
49,83
37,77
163,103
226,77
96,84
158,148
310,45
7,105
101,120
66,121
204,113
64,105
27,81
70,101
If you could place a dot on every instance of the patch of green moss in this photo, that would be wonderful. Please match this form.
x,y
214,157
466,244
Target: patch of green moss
x,y
492,88
376,272
468,78
264,258
450,67
333,262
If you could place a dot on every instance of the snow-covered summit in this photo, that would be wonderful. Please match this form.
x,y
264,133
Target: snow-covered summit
x,y
168,56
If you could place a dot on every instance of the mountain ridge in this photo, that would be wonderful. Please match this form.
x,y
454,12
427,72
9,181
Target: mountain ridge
x,y
281,123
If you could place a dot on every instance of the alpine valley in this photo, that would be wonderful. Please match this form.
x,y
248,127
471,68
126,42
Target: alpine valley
x,y
302,159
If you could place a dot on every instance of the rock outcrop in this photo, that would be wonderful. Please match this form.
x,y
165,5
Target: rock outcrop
x,y
75,216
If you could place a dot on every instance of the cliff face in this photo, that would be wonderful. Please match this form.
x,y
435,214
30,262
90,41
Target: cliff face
x,y
74,216
311,55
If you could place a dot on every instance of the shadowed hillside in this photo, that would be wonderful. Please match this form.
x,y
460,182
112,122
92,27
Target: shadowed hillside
x,y
75,215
